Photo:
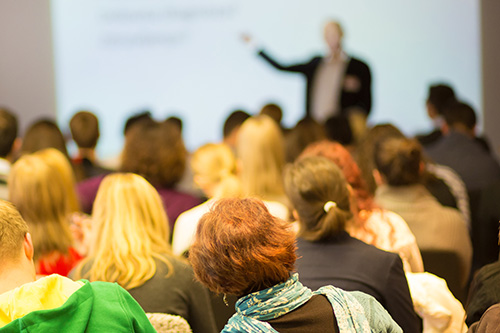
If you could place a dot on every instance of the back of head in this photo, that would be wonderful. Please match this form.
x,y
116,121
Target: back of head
x,y
155,150
365,150
43,134
336,153
84,127
12,232
214,166
460,114
39,192
305,132
260,151
175,121
440,95
399,161
318,192
130,230
274,111
136,119
338,129
241,248
233,121
8,131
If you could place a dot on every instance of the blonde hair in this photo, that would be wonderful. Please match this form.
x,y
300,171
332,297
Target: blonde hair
x,y
40,194
129,231
55,159
215,166
260,151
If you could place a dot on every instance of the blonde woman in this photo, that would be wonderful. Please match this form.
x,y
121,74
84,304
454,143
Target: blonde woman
x,y
128,245
214,171
41,187
261,158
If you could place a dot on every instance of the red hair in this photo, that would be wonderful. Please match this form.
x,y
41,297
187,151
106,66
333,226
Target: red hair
x,y
336,153
241,248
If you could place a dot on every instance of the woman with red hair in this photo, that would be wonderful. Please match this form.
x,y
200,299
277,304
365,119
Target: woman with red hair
x,y
241,249
371,224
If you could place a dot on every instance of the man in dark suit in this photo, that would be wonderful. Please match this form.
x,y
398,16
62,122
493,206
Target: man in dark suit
x,y
335,84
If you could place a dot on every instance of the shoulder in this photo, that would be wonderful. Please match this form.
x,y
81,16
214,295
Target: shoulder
x,y
358,64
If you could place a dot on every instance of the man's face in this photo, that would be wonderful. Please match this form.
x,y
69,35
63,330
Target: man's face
x,y
333,37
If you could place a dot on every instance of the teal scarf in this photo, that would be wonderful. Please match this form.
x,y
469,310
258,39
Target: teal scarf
x,y
253,310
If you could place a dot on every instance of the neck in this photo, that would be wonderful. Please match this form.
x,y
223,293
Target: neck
x,y
88,153
14,277
463,130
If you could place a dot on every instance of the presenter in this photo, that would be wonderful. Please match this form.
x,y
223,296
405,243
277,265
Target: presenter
x,y
336,84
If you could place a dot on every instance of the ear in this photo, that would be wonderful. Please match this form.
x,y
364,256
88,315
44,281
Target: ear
x,y
421,168
379,179
29,250
445,128
295,215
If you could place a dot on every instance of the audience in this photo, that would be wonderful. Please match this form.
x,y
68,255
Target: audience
x,y
84,127
8,137
232,126
459,150
241,249
154,150
214,171
140,259
438,97
39,188
399,166
261,158
328,255
370,224
55,303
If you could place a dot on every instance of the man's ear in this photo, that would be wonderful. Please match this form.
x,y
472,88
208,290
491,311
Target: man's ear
x,y
379,179
295,215
29,251
421,168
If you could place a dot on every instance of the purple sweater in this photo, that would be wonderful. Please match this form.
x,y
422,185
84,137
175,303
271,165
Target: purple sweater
x,y
175,202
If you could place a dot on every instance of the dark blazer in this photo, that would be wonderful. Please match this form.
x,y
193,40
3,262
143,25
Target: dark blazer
x,y
357,68
350,264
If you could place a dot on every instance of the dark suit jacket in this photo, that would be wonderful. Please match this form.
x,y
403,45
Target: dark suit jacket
x,y
352,265
357,68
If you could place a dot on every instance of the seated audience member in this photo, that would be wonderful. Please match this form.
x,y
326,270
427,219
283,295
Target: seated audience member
x,y
55,303
214,168
459,150
232,126
261,157
399,166
489,322
338,129
42,134
41,187
129,245
8,136
273,111
305,132
438,97
370,223
84,127
484,291
441,181
327,254
154,150
241,249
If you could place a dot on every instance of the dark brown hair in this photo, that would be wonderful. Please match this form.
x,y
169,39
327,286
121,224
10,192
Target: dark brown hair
x,y
84,127
241,248
398,160
310,183
42,134
155,150
8,131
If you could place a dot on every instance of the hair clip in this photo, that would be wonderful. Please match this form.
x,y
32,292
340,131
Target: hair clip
x,y
329,206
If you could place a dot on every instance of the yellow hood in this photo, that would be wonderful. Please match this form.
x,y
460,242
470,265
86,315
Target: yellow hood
x,y
46,293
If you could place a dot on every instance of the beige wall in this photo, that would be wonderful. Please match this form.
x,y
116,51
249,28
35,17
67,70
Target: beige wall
x,y
490,31
26,65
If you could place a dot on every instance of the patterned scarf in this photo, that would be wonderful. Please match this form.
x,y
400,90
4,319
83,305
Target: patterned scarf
x,y
254,309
